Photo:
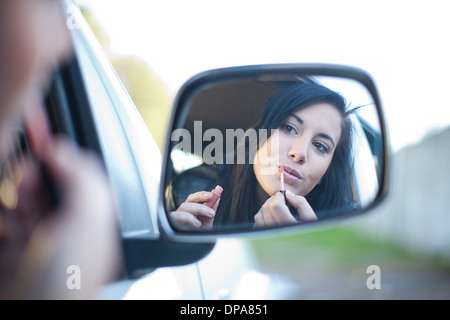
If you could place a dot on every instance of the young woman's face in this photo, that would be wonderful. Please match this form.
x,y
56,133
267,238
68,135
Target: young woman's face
x,y
304,146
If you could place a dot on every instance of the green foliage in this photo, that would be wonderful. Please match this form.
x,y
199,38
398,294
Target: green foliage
x,y
340,247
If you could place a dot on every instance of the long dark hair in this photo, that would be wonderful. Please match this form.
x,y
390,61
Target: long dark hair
x,y
238,199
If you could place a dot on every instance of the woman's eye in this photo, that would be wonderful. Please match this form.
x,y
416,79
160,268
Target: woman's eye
x,y
321,147
286,127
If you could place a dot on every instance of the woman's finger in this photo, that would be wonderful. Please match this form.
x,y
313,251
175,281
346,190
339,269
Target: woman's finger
x,y
259,221
199,197
280,211
304,210
266,213
185,219
197,209
275,212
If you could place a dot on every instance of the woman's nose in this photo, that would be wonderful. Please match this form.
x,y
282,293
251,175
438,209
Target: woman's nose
x,y
299,150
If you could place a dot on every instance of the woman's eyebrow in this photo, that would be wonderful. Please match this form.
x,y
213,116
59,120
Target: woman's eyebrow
x,y
325,136
322,135
298,118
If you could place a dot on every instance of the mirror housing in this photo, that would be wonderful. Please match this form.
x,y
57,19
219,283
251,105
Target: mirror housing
x,y
248,88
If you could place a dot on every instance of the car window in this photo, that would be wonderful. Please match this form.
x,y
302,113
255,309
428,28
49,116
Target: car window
x,y
131,156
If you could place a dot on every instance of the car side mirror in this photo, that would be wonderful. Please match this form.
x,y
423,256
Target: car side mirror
x,y
259,148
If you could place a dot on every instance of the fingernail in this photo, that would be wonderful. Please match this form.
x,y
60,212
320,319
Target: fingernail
x,y
211,213
207,195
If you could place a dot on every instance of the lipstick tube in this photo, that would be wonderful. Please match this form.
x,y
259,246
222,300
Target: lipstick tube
x,y
282,189
216,193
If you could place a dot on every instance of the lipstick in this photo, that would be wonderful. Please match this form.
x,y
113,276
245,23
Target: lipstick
x,y
216,193
282,189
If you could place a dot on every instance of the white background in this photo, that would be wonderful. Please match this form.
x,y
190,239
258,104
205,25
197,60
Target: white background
x,y
404,45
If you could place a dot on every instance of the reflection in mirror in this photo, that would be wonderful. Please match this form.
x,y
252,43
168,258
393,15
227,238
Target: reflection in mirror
x,y
274,150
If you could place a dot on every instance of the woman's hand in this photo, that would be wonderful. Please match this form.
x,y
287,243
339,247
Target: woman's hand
x,y
42,242
275,212
194,214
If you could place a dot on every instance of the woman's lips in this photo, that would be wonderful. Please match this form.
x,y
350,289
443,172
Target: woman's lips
x,y
291,174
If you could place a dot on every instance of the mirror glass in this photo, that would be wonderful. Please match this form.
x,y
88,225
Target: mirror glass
x,y
271,150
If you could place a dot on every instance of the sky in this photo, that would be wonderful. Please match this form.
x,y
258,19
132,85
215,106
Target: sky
x,y
404,45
